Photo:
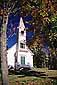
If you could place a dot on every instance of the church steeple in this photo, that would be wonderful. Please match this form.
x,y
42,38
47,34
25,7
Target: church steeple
x,y
21,24
21,35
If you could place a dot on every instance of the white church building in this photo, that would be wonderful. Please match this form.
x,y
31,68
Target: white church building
x,y
20,52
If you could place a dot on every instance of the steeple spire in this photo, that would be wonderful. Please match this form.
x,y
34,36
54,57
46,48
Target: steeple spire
x,y
21,24
21,34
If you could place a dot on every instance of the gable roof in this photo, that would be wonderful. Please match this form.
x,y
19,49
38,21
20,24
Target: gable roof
x,y
29,50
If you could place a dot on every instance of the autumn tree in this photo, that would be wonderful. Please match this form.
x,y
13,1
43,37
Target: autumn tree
x,y
44,22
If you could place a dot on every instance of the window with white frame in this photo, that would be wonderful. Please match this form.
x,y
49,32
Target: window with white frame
x,y
22,60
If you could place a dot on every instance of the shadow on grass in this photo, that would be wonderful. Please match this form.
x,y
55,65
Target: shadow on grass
x,y
30,73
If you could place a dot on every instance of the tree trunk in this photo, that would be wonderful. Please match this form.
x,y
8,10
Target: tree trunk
x,y
4,66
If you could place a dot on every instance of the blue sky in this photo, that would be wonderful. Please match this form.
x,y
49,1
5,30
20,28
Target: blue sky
x,y
13,23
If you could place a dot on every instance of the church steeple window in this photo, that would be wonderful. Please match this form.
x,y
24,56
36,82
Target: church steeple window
x,y
22,32
22,45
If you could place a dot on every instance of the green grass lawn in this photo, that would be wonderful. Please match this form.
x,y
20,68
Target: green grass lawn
x,y
50,73
27,80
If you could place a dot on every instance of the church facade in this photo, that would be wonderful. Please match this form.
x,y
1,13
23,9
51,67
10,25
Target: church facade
x,y
20,52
